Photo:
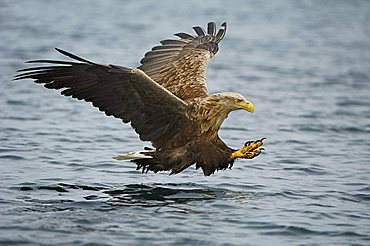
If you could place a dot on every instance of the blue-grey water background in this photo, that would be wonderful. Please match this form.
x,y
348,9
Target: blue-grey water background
x,y
304,64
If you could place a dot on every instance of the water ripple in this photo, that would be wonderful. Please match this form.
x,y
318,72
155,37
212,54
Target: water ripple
x,y
310,86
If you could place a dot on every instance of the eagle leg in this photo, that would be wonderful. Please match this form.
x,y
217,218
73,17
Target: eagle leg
x,y
249,151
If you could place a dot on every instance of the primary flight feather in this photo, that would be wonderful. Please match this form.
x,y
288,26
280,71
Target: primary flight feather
x,y
165,99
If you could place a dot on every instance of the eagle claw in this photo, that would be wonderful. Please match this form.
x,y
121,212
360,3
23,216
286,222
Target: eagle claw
x,y
248,143
249,151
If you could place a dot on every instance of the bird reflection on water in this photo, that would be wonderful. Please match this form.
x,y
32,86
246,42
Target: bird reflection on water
x,y
169,195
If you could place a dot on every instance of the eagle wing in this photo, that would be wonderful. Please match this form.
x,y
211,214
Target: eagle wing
x,y
126,93
180,65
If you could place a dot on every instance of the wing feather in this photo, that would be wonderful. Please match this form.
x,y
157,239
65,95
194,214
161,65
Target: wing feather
x,y
211,29
199,31
183,35
221,33
126,93
180,65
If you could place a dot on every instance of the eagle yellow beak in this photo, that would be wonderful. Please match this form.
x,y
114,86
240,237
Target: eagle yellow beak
x,y
246,105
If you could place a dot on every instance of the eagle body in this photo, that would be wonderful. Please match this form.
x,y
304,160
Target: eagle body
x,y
199,142
165,99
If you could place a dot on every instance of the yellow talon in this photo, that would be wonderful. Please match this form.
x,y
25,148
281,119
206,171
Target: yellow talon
x,y
249,151
237,154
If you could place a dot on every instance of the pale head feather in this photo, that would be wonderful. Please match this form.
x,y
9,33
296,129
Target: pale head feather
x,y
228,99
212,110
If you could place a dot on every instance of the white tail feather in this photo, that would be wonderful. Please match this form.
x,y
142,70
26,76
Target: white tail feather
x,y
133,155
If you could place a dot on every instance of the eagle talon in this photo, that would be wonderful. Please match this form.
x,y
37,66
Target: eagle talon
x,y
253,154
248,143
260,140
249,151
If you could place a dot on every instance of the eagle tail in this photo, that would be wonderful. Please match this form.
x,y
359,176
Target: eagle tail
x,y
174,160
133,155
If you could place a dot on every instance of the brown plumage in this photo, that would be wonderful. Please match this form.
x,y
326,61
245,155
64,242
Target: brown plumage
x,y
165,99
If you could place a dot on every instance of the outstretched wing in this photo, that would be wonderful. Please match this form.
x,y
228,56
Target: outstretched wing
x,y
125,93
180,65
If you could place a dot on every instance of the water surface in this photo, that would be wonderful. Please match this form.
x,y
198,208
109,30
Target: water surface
x,y
304,64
